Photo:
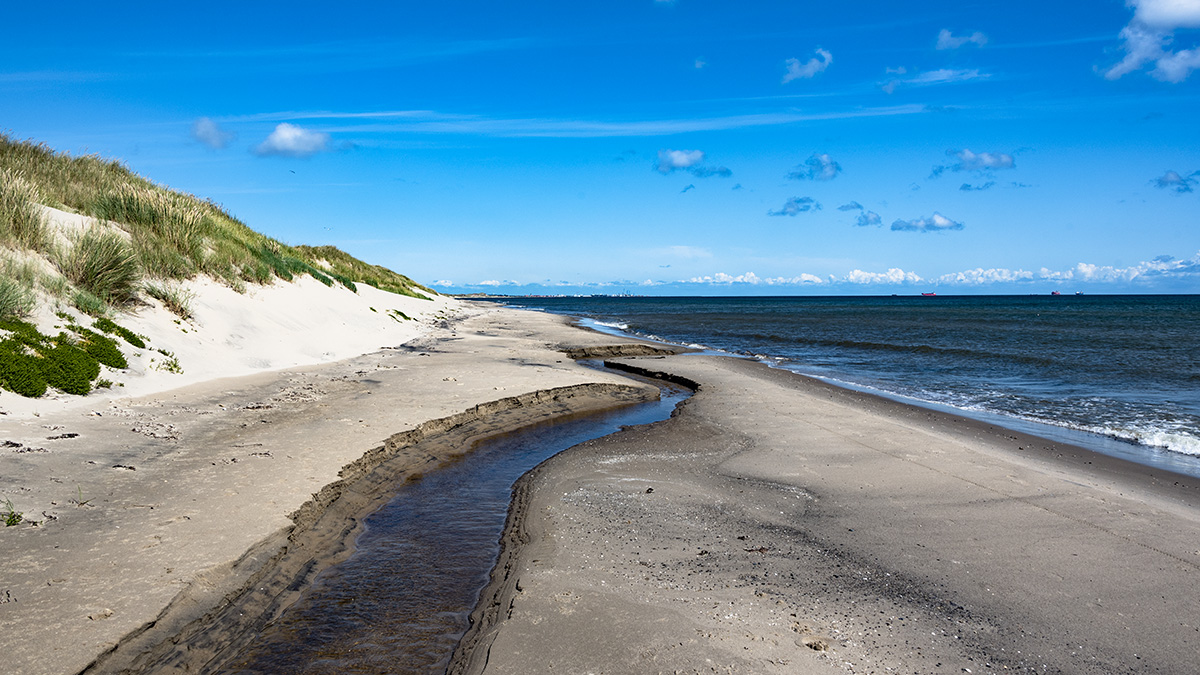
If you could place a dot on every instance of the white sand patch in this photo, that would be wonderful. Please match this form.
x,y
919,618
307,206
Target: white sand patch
x,y
266,328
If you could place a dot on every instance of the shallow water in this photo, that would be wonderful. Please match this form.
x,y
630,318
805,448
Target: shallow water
x,y
401,602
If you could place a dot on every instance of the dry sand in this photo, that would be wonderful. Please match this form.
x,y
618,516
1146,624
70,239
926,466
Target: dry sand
x,y
161,528
780,525
775,524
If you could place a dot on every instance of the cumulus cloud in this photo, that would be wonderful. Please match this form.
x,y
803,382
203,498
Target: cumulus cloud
x,y
971,161
935,223
289,140
796,205
211,134
755,280
1171,180
980,276
869,219
865,218
691,161
443,282
1149,38
797,70
947,40
895,275
935,77
1162,268
670,160
982,162
967,187
816,167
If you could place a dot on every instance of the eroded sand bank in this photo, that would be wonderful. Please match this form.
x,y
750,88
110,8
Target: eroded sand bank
x,y
779,525
157,515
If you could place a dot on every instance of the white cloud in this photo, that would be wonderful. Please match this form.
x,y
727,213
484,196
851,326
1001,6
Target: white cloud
x,y
1161,267
816,167
817,64
1171,180
869,219
443,282
946,40
935,223
700,63
289,140
755,280
1169,14
894,275
980,276
1149,36
983,162
691,161
796,205
1176,66
977,161
211,134
670,160
852,206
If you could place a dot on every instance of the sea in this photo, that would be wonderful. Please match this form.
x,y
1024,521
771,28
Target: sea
x,y
1116,374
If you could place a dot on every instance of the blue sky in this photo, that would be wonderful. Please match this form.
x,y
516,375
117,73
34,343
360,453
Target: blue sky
x,y
655,147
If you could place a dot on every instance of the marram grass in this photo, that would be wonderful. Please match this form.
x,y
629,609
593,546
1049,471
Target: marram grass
x,y
171,235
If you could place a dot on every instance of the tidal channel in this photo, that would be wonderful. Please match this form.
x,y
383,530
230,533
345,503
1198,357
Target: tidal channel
x,y
400,603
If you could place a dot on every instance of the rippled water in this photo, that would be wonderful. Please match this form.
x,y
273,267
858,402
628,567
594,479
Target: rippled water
x,y
1119,367
401,602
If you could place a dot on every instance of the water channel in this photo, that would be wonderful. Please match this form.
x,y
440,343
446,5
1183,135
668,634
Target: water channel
x,y
400,603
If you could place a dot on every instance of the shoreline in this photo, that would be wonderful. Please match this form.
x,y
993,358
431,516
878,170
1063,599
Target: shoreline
x,y
159,513
898,526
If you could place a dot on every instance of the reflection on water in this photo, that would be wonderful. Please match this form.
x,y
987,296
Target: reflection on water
x,y
400,603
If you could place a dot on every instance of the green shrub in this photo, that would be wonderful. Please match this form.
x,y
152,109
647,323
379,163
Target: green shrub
x,y
125,334
21,223
30,361
69,368
103,349
19,372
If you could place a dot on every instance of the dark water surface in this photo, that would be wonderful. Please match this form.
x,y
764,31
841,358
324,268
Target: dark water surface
x,y
1121,372
400,603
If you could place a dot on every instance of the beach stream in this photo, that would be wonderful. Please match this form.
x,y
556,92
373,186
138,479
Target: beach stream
x,y
400,603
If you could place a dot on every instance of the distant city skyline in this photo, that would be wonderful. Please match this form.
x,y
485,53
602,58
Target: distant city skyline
x,y
656,146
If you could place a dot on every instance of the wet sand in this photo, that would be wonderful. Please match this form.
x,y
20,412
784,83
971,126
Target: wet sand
x,y
168,528
777,524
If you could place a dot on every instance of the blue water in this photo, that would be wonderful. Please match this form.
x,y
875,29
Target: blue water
x,y
1120,374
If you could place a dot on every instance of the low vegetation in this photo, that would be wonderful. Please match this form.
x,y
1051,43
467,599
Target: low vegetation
x,y
31,362
160,235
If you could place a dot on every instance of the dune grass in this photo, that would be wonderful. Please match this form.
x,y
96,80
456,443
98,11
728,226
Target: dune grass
x,y
171,235
102,263
21,223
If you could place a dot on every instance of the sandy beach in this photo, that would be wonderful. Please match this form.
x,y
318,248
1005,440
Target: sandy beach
x,y
773,524
779,524
149,519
